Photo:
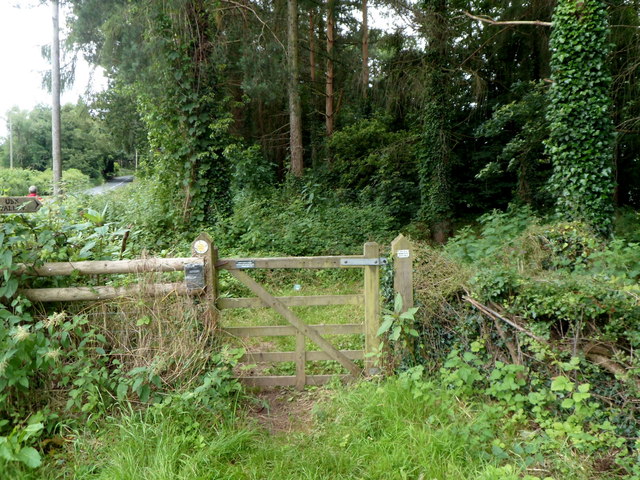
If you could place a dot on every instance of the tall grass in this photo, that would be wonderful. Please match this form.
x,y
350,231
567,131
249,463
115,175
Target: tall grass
x,y
367,431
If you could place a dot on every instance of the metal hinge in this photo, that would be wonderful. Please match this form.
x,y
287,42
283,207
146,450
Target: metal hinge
x,y
359,262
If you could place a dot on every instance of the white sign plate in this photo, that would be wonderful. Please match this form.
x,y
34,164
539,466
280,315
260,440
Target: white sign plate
x,y
242,264
403,254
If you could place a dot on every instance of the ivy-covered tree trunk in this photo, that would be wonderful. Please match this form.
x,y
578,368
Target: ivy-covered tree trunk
x,y
187,116
581,140
434,150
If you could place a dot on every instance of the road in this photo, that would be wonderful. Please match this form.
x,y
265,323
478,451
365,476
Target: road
x,y
115,182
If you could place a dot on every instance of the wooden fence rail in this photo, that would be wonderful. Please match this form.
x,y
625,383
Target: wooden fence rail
x,y
197,277
104,267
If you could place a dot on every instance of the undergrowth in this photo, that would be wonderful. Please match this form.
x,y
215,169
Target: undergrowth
x,y
521,358
296,219
74,364
398,428
541,318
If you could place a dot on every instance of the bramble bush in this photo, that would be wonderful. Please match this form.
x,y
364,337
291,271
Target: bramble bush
x,y
63,368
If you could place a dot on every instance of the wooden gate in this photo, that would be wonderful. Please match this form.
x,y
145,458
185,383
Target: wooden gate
x,y
201,278
370,262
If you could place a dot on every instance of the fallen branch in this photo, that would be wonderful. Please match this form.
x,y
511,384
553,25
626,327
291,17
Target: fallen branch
x,y
591,353
515,358
612,367
493,314
491,21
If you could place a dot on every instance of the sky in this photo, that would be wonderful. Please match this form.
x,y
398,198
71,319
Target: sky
x,y
23,32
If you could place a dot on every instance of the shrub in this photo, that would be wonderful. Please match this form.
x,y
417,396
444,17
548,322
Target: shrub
x,y
379,163
542,318
155,224
58,368
309,221
16,182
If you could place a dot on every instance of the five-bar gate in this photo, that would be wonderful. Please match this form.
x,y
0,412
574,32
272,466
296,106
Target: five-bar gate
x,y
370,262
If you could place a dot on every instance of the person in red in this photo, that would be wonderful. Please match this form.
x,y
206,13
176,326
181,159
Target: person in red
x,y
33,192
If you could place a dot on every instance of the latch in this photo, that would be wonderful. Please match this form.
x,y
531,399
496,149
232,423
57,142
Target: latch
x,y
361,262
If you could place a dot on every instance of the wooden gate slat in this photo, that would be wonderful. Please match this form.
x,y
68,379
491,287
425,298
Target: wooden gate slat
x,y
290,380
310,356
296,301
291,317
285,330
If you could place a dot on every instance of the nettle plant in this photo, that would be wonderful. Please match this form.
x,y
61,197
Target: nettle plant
x,y
399,334
47,354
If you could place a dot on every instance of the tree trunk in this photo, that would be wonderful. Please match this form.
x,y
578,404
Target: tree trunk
x,y
312,48
365,50
329,91
10,143
55,99
295,107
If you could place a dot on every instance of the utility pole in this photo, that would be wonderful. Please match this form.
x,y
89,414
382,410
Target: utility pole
x,y
365,50
55,93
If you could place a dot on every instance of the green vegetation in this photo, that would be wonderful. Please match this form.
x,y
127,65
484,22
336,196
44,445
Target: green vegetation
x,y
518,361
492,147
16,182
86,145
399,428
451,123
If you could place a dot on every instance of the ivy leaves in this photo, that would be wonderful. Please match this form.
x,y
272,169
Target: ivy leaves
x,y
581,129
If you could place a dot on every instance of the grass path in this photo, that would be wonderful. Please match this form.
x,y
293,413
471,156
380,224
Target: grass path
x,y
285,411
366,431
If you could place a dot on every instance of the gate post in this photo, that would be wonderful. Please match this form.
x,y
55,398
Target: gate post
x,y
371,307
403,270
203,247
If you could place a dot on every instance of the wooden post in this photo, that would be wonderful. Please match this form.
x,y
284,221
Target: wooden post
x,y
403,270
301,359
203,247
371,306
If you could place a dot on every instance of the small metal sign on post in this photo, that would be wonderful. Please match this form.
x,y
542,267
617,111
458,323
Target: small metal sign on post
x,y
19,205
403,270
